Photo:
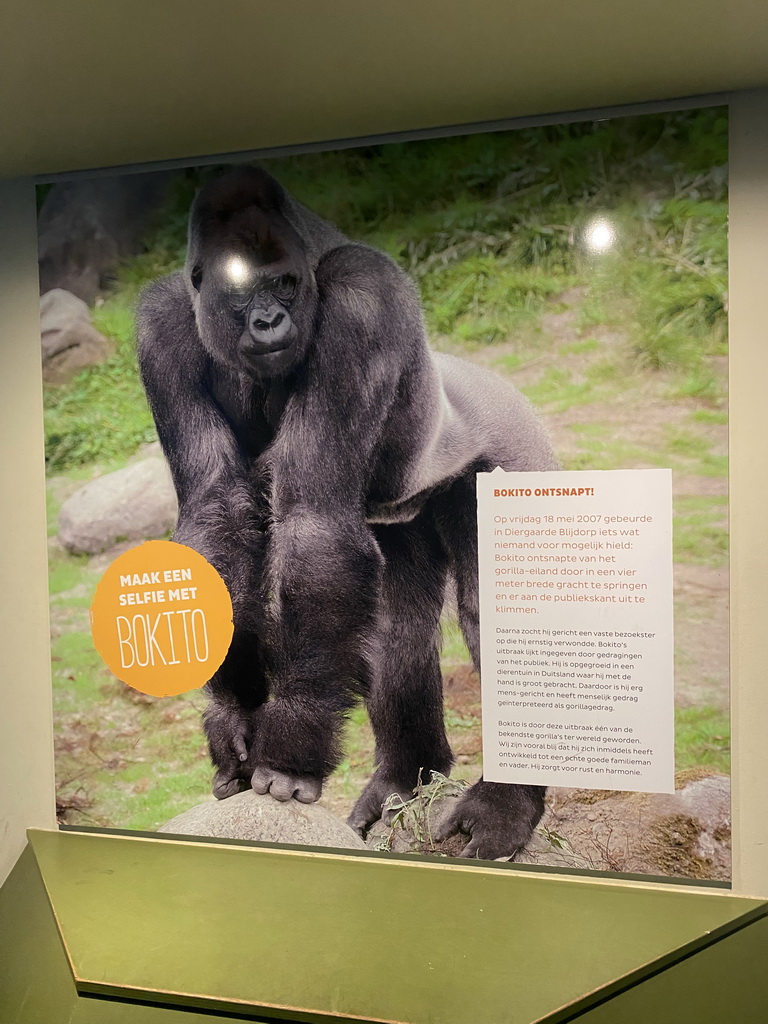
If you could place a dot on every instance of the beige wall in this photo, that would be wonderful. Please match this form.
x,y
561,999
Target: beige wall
x,y
749,486
26,736
26,771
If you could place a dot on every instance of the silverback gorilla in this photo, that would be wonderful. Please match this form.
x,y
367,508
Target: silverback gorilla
x,y
325,460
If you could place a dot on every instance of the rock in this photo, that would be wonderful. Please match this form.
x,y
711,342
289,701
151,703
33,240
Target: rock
x,y
133,504
262,818
411,828
86,226
69,339
685,834
412,832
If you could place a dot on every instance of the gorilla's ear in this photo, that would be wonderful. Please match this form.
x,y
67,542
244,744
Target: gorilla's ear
x,y
240,188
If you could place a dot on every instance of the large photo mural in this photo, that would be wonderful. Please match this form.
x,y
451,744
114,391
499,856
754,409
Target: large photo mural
x,y
296,367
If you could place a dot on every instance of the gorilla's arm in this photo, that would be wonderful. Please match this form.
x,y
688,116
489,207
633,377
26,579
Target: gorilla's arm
x,y
217,509
323,564
216,500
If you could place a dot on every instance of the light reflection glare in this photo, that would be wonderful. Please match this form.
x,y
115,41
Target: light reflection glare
x,y
599,235
237,270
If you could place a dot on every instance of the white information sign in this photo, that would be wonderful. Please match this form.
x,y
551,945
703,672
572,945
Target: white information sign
x,y
576,628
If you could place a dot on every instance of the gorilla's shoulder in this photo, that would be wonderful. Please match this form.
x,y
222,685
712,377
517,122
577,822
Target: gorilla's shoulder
x,y
365,282
355,260
164,297
164,308
165,320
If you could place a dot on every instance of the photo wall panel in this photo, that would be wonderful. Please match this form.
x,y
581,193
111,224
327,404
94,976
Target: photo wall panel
x,y
271,391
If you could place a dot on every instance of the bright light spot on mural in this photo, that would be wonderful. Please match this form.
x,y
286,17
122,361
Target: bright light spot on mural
x,y
599,235
237,270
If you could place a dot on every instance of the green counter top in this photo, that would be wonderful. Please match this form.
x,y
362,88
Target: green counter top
x,y
314,936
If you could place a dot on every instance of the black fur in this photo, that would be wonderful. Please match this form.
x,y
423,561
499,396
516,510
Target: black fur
x,y
325,463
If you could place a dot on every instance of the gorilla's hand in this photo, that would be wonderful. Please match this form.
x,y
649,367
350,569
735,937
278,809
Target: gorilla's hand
x,y
370,803
498,818
295,747
230,734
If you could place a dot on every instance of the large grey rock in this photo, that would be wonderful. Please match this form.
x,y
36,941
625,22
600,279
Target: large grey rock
x,y
262,818
86,226
133,504
685,834
68,338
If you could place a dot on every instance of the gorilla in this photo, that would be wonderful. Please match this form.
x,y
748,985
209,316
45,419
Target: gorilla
x,y
324,460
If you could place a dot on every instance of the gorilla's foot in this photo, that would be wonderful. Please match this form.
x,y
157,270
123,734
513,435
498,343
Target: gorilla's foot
x,y
370,804
498,818
304,788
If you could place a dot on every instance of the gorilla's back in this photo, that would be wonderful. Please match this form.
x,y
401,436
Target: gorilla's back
x,y
319,236
490,419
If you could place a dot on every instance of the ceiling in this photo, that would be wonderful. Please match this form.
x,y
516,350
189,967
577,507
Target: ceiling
x,y
92,83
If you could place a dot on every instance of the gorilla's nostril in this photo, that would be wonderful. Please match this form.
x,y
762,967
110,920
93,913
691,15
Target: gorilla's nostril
x,y
266,325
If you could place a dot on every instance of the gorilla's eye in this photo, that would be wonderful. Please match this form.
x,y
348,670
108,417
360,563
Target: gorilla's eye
x,y
284,287
197,278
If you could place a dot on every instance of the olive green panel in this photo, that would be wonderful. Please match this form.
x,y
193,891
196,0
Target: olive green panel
x,y
36,983
107,1011
726,982
91,83
305,934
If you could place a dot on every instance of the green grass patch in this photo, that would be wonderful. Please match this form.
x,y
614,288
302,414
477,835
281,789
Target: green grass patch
x,y
579,348
700,531
713,416
348,780
702,739
454,650
594,430
508,363
558,389
78,672
688,452
692,446
700,383
599,453
102,414
65,572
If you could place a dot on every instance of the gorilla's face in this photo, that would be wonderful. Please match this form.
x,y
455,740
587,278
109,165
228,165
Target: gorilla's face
x,y
253,291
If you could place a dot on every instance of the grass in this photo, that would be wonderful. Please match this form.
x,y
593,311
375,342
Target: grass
x,y
602,453
702,739
102,415
700,534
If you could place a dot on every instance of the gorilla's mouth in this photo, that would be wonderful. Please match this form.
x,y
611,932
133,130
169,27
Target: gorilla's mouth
x,y
266,344
267,358
266,348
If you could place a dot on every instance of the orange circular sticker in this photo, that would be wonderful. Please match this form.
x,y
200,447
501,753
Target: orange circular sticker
x,y
161,618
